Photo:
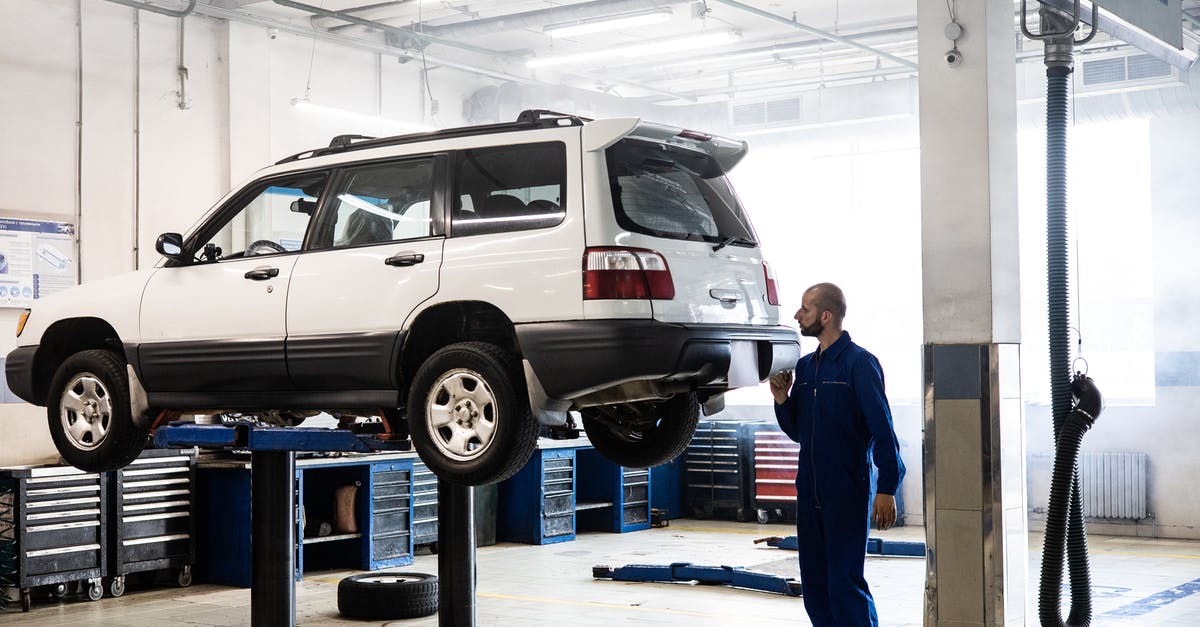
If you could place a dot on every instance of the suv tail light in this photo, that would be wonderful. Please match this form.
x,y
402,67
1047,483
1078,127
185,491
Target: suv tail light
x,y
626,273
772,286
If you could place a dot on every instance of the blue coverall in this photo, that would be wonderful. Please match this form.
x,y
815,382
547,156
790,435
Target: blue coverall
x,y
838,412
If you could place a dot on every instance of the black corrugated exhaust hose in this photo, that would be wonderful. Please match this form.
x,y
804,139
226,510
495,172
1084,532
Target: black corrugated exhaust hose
x,y
1058,79
1066,454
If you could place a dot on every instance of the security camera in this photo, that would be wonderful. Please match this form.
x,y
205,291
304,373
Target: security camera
x,y
272,33
953,57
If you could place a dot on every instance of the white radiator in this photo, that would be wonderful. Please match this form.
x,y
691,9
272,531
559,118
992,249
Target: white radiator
x,y
1114,485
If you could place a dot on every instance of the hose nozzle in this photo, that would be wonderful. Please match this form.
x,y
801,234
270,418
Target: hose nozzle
x,y
1088,401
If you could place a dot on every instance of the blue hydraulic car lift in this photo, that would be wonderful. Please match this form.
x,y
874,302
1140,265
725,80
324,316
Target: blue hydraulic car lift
x,y
733,576
273,513
875,546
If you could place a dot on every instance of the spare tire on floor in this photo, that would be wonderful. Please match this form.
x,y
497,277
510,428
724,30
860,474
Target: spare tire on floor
x,y
386,596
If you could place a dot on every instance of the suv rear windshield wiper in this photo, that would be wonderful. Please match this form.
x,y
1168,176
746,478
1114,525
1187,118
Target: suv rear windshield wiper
x,y
740,241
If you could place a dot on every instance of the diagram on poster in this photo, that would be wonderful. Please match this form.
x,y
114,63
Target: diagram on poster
x,y
36,259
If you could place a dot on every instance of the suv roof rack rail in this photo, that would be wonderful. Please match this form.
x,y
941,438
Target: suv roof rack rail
x,y
526,120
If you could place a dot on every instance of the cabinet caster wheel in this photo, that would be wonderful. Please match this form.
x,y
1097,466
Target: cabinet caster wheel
x,y
26,599
116,587
185,577
58,591
95,591
763,516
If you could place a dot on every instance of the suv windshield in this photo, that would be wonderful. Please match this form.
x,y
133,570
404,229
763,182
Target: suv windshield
x,y
676,192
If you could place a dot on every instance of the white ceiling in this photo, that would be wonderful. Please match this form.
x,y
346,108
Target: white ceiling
x,y
781,46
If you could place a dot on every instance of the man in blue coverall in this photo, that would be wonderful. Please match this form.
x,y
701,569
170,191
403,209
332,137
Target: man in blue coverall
x,y
838,412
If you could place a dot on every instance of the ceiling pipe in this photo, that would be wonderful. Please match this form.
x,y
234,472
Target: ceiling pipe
x,y
352,42
153,8
845,41
735,91
541,17
780,54
402,33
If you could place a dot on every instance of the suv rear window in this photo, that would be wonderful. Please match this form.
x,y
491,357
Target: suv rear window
x,y
676,192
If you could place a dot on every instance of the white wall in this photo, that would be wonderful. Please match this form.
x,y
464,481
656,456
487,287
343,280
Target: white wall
x,y
135,156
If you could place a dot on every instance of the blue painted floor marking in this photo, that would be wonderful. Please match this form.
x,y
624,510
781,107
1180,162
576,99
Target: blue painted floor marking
x,y
1155,601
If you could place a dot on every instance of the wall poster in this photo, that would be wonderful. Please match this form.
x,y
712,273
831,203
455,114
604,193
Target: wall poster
x,y
37,258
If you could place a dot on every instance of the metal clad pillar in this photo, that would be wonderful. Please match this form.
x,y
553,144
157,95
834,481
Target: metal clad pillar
x,y
974,448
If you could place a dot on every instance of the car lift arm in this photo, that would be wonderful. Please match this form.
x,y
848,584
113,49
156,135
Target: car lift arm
x,y
733,576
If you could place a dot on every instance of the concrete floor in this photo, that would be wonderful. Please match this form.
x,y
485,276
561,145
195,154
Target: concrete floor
x,y
1136,582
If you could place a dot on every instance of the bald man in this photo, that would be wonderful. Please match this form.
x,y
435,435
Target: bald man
x,y
837,410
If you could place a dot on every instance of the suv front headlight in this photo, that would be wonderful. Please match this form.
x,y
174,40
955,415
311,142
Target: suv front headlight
x,y
21,322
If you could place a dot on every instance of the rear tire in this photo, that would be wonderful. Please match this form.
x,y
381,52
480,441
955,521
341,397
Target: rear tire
x,y
89,415
644,433
468,415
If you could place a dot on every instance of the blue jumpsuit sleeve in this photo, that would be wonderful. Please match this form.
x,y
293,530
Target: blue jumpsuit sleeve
x,y
868,388
786,413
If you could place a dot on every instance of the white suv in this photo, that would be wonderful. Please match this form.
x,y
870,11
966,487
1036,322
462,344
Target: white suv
x,y
467,285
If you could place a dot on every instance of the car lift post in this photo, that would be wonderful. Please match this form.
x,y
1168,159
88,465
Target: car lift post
x,y
273,530
273,511
456,555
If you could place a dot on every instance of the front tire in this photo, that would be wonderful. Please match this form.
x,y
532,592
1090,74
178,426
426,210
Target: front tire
x,y
468,416
89,415
644,433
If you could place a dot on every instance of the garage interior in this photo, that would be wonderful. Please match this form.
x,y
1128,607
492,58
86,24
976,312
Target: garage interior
x,y
897,148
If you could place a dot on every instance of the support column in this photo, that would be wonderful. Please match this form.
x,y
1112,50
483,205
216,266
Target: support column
x,y
456,555
273,544
974,448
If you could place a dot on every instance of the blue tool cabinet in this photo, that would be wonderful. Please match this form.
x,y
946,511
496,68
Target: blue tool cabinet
x,y
537,505
424,504
667,488
719,473
383,508
610,497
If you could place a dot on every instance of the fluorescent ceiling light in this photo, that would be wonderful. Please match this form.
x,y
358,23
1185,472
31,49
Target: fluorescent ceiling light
x,y
640,50
305,105
612,22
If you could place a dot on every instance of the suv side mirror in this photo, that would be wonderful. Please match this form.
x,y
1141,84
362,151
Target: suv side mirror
x,y
170,245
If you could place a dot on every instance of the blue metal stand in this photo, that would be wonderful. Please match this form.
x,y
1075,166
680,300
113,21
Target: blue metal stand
x,y
273,498
733,576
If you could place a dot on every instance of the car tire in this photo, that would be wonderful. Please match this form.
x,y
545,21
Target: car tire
x,y
644,433
388,596
89,415
469,417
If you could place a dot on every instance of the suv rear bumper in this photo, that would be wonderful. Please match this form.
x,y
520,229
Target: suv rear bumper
x,y
575,358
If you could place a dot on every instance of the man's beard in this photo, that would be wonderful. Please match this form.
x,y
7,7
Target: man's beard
x,y
815,330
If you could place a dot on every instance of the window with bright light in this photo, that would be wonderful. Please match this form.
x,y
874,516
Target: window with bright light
x,y
1111,280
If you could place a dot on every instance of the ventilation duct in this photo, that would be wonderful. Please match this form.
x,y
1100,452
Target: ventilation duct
x,y
1121,88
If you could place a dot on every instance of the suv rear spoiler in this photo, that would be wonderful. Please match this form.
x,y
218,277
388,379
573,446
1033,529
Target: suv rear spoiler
x,y
601,134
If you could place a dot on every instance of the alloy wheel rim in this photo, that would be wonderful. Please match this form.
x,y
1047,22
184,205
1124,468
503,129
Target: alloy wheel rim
x,y
461,413
391,578
86,410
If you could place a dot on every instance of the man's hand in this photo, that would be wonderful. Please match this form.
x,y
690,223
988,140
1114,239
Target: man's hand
x,y
781,383
884,514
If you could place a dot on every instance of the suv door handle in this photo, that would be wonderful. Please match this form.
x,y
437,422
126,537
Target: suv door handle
x,y
404,259
262,273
